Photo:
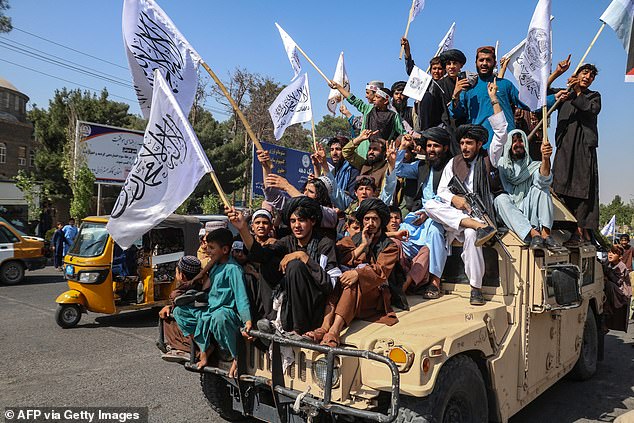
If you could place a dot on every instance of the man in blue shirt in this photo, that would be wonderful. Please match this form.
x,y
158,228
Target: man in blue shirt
x,y
70,232
473,103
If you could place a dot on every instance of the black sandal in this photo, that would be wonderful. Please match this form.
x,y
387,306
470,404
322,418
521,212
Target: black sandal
x,y
431,292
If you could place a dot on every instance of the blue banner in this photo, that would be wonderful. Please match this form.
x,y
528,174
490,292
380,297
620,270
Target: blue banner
x,y
294,165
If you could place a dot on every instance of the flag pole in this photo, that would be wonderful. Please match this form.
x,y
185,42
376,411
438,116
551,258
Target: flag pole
x,y
557,103
312,124
312,63
409,21
221,192
234,105
545,125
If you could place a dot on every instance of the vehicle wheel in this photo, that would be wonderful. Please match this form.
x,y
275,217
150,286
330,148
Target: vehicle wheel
x,y
67,315
458,397
586,365
12,272
217,393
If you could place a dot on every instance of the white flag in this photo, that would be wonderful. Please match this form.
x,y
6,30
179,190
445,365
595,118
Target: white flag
x,y
417,7
610,227
514,56
619,16
534,62
291,106
447,42
152,42
291,51
417,84
166,171
341,78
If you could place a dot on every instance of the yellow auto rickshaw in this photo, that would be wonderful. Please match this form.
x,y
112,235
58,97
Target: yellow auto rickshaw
x,y
104,278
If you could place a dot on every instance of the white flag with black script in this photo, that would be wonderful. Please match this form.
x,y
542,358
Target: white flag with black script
x,y
534,62
291,106
166,171
417,7
341,78
447,42
291,51
417,84
152,42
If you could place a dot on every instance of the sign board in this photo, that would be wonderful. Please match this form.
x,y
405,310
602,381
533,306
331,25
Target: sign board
x,y
294,165
110,152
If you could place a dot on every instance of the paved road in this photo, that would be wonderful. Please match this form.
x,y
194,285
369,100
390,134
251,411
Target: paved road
x,y
112,361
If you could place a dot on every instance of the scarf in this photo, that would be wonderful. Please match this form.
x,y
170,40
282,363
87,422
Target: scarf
x,y
341,172
517,184
481,183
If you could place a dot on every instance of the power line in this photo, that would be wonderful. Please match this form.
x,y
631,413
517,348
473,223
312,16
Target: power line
x,y
49,55
62,64
65,80
70,48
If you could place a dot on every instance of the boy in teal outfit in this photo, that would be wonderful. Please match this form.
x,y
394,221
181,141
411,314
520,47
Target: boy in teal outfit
x,y
228,309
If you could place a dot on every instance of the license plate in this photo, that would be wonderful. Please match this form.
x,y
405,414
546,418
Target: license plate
x,y
69,270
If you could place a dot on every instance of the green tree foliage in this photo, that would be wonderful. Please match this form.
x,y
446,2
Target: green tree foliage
x,y
5,21
329,126
624,212
82,186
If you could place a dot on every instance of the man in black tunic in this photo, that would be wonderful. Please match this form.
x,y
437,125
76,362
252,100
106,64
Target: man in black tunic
x,y
575,169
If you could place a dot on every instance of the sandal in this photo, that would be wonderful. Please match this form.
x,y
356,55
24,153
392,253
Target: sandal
x,y
431,293
315,335
330,340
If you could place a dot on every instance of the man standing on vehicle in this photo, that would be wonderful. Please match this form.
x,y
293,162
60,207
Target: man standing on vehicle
x,y
70,232
474,168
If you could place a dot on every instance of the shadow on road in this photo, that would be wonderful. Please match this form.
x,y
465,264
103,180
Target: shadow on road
x,y
127,319
42,279
596,399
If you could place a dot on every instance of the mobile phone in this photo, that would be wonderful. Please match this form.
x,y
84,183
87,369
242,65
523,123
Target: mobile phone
x,y
462,75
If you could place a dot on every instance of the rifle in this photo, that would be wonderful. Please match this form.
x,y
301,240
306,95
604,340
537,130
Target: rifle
x,y
478,210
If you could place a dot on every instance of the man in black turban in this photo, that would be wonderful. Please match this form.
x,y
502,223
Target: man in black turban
x,y
399,102
476,169
300,267
374,280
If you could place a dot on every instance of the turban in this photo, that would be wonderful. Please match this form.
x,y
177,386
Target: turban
x,y
453,55
398,86
190,265
262,213
378,206
474,132
440,135
311,209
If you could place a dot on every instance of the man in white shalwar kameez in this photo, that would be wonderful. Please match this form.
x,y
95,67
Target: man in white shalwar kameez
x,y
474,167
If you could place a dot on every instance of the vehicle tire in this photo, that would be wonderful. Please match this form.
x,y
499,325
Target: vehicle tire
x,y
67,315
586,365
217,393
12,272
459,396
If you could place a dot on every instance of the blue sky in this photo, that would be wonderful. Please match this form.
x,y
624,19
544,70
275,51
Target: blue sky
x,y
241,33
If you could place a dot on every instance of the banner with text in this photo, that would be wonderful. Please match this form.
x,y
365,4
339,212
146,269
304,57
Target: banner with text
x,y
294,165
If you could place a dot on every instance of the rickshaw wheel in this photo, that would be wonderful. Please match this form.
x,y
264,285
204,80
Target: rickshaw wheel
x,y
67,315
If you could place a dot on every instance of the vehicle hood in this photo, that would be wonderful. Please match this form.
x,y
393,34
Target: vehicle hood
x,y
33,238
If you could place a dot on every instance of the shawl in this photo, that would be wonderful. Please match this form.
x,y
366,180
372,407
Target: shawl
x,y
518,184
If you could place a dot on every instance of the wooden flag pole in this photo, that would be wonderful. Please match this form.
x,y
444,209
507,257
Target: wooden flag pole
x,y
545,125
312,124
313,63
216,182
409,21
557,103
234,105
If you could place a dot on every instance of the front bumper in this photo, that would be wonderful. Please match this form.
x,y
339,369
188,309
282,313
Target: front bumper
x,y
250,391
35,263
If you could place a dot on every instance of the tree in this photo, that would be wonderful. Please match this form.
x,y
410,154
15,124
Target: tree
x,y
5,21
624,212
329,126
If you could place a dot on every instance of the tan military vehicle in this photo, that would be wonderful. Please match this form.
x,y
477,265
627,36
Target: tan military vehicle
x,y
445,360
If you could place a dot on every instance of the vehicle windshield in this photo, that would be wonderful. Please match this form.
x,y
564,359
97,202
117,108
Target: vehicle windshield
x,y
90,241
6,222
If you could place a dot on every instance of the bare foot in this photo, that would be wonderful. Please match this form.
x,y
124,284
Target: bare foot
x,y
233,370
203,360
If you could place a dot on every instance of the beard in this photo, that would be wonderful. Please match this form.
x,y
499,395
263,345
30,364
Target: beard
x,y
400,106
518,156
436,163
371,161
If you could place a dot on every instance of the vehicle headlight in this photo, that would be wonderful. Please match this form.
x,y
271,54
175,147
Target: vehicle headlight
x,y
92,276
401,357
320,367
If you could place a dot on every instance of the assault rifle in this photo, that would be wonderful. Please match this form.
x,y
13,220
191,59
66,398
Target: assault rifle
x,y
478,210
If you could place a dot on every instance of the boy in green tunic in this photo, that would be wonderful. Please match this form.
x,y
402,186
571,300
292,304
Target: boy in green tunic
x,y
228,309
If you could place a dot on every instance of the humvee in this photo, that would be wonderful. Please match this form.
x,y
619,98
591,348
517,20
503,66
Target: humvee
x,y
445,360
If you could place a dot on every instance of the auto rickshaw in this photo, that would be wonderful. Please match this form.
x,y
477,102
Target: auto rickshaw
x,y
104,278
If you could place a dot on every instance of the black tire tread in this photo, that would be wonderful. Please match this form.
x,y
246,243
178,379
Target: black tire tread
x,y
427,410
217,394
58,316
8,282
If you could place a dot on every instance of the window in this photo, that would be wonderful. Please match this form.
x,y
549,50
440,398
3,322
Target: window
x,y
5,100
22,156
8,236
31,158
3,152
16,103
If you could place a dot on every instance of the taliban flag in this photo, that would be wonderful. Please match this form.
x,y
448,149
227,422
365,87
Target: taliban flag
x,y
152,42
514,56
447,42
341,78
620,17
417,84
291,51
417,7
291,106
535,59
610,228
166,171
